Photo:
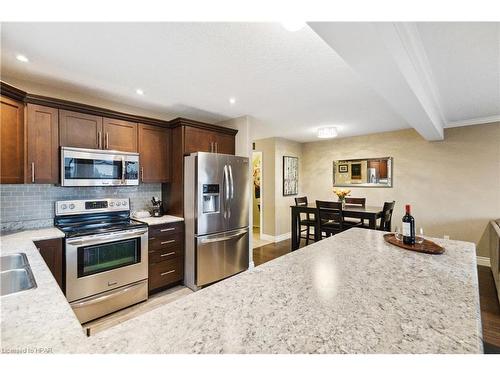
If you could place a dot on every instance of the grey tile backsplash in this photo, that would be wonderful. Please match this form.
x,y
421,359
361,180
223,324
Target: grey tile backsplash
x,y
32,206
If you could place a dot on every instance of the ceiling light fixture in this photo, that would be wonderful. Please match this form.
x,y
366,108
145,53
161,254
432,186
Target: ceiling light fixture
x,y
139,92
327,132
22,58
293,25
232,100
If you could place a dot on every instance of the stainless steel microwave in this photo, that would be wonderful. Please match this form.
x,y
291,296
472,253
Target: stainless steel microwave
x,y
89,167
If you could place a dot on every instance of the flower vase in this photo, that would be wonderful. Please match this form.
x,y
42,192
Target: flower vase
x,y
342,201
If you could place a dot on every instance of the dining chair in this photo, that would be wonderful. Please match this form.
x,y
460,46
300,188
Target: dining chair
x,y
330,218
309,222
386,219
359,202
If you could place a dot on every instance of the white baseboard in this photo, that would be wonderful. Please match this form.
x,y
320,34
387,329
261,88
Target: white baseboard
x,y
281,237
483,261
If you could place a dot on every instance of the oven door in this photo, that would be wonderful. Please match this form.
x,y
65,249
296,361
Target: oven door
x,y
87,167
98,263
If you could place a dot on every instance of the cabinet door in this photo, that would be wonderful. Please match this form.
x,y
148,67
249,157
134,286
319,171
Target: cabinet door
x,y
80,130
224,143
154,150
12,142
42,140
119,135
52,253
198,140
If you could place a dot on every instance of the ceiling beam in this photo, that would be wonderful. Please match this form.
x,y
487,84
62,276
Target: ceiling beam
x,y
390,58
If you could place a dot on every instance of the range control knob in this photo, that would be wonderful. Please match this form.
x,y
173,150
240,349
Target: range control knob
x,y
124,203
63,206
111,204
118,203
71,206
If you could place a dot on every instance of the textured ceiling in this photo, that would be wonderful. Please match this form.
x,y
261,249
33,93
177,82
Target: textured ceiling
x,y
291,82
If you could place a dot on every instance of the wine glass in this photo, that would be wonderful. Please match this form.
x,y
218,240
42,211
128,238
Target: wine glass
x,y
420,237
397,234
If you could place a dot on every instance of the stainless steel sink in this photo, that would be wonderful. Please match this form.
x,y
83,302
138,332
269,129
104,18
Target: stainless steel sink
x,y
16,275
13,261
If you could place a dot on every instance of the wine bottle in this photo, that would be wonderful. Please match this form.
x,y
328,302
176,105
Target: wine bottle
x,y
408,227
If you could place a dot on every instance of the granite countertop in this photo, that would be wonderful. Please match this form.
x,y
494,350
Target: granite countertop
x,y
38,319
351,293
165,219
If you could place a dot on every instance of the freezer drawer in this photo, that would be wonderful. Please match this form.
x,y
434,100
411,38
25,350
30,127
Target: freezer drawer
x,y
221,255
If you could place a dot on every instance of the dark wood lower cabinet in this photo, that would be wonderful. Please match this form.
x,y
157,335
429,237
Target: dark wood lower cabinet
x,y
52,253
165,256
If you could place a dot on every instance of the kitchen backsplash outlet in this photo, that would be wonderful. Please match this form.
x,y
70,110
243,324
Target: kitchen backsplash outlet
x,y
32,206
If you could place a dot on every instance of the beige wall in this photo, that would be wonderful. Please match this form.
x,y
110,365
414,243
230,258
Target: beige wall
x,y
453,185
276,207
267,147
285,147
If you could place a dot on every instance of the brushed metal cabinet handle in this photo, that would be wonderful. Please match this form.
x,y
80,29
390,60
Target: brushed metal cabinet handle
x,y
165,242
142,174
216,147
167,229
167,254
98,139
33,172
107,140
166,273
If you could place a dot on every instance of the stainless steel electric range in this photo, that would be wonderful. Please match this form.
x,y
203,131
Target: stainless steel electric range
x,y
106,256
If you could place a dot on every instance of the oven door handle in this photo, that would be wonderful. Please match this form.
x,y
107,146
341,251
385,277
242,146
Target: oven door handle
x,y
93,301
100,238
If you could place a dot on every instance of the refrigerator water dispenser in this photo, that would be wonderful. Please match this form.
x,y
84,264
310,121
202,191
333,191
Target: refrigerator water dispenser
x,y
210,198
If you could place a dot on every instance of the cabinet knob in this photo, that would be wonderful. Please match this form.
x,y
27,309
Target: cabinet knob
x,y
33,172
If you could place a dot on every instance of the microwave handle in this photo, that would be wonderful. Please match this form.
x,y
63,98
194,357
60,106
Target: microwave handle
x,y
123,170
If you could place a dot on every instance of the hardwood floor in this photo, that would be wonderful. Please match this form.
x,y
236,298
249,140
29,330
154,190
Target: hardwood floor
x,y
490,308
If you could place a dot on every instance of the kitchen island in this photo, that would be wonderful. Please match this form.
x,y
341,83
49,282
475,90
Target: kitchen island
x,y
351,293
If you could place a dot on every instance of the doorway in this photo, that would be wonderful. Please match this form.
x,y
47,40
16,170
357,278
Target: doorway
x,y
257,199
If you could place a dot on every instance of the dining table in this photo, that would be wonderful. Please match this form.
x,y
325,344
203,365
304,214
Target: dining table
x,y
369,213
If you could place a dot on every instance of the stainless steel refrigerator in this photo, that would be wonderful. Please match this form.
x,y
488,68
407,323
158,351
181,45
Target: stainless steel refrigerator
x,y
216,208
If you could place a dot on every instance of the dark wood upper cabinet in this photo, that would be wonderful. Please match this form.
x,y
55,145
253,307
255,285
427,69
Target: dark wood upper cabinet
x,y
224,143
12,141
198,140
52,253
154,151
204,140
80,130
119,135
42,141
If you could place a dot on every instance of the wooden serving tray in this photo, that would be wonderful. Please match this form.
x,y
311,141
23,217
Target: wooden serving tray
x,y
427,246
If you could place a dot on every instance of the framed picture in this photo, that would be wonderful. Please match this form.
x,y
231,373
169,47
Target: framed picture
x,y
290,175
343,168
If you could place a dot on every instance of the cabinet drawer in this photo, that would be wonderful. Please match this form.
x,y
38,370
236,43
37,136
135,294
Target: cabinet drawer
x,y
162,231
165,242
164,273
162,255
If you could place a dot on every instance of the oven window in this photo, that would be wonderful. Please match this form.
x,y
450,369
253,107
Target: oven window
x,y
80,169
108,256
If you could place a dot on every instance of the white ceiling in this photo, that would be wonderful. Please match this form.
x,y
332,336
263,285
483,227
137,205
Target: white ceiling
x,y
465,61
292,82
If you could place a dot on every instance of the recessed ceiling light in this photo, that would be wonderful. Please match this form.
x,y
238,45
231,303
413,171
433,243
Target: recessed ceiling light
x,y
327,132
293,25
139,92
22,58
232,100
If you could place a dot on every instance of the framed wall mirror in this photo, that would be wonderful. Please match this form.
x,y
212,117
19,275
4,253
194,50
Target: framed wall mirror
x,y
373,172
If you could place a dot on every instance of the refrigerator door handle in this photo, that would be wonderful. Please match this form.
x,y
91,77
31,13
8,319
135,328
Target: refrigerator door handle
x,y
223,238
232,181
226,191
